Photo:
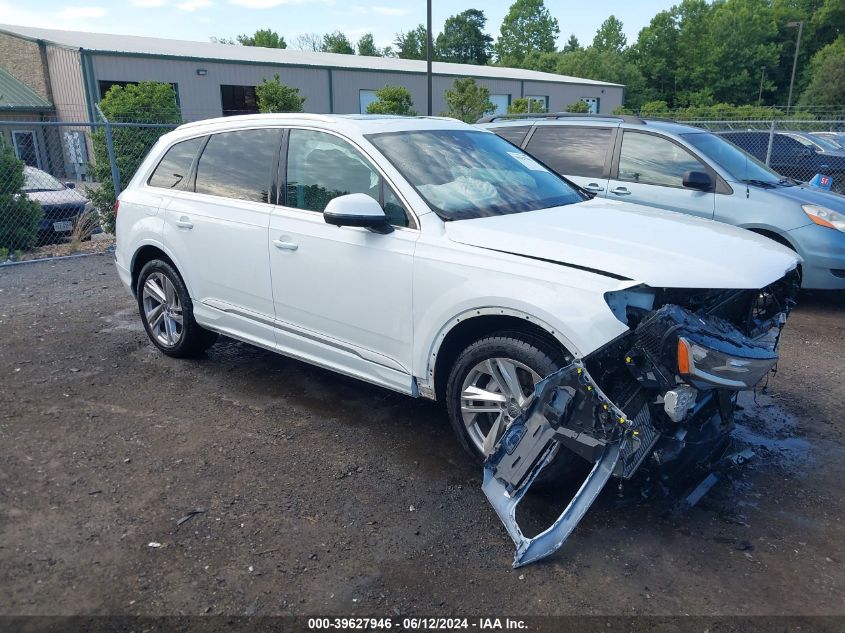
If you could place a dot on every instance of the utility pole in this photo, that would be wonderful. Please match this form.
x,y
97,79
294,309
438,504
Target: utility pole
x,y
800,26
762,76
429,45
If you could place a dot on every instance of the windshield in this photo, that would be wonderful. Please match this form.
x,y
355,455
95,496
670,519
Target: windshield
x,y
464,174
37,180
818,141
740,165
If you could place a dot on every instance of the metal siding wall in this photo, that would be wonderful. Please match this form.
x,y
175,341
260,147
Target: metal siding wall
x,y
495,86
348,83
561,95
199,96
66,83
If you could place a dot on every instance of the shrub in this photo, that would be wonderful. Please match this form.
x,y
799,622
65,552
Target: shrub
x,y
392,100
274,96
146,102
579,107
520,106
19,216
468,101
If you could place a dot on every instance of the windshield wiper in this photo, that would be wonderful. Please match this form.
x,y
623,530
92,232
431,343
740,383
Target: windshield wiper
x,y
761,183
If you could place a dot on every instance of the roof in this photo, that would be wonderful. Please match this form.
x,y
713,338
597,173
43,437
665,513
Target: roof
x,y
350,123
16,95
568,118
211,51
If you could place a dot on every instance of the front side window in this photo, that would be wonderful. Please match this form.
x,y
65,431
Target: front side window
x,y
173,168
239,164
572,151
322,167
465,174
738,164
653,160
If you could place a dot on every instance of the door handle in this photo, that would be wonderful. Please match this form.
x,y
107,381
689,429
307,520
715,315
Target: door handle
x,y
594,187
285,246
184,223
620,191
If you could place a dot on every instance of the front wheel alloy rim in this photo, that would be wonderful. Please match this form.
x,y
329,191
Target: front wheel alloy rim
x,y
162,310
495,392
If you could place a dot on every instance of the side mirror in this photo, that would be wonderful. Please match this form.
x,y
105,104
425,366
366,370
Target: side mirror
x,y
699,180
70,185
357,209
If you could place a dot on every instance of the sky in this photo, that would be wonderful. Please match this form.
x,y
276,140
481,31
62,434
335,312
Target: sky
x,y
201,19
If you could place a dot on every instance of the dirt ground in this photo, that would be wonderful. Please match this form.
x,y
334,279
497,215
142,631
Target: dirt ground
x,y
323,495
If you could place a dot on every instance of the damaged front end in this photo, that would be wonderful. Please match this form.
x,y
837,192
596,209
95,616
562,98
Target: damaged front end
x,y
663,393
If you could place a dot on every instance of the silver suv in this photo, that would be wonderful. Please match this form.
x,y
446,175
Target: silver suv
x,y
683,168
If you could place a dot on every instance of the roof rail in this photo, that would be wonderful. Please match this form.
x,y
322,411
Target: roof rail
x,y
627,118
259,117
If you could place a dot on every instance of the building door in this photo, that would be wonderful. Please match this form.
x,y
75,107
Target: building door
x,y
26,147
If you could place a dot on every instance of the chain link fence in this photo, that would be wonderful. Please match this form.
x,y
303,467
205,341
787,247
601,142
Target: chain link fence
x,y
58,182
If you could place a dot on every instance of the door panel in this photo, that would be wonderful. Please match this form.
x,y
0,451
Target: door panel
x,y
650,171
342,295
218,233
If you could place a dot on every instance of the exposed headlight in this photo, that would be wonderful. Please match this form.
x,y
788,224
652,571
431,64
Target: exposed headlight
x,y
824,216
697,362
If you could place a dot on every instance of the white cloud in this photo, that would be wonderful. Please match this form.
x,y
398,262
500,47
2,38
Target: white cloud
x,y
193,5
72,13
391,11
269,4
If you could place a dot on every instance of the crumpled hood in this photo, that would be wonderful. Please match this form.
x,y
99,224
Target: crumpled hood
x,y
655,247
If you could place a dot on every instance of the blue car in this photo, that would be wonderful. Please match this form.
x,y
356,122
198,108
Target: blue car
x,y
689,170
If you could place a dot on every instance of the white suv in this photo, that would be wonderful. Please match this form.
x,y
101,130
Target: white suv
x,y
438,260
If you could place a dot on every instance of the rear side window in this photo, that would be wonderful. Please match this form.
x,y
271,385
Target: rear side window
x,y
571,151
239,164
513,135
175,165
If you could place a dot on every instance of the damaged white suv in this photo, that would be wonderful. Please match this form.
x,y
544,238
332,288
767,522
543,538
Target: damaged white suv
x,y
438,260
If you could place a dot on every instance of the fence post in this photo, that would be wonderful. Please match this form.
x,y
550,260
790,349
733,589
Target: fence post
x,y
771,142
115,174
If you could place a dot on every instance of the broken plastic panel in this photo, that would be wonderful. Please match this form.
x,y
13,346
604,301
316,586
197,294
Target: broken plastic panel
x,y
569,409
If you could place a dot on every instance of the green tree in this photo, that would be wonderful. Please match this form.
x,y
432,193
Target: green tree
x,y
655,54
520,106
572,44
392,100
367,46
528,26
610,36
19,216
337,42
827,76
412,45
467,101
609,66
266,38
145,102
274,96
463,40
579,106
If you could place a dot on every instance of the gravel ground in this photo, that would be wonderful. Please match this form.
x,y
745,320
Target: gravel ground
x,y
321,495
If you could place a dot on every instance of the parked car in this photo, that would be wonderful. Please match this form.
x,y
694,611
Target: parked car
x,y
796,155
61,203
437,260
687,169
835,137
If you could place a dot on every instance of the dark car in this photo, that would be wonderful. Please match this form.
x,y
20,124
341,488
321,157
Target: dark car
x,y
794,154
63,206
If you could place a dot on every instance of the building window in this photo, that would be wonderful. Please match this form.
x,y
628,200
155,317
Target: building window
x,y
543,99
238,100
105,85
365,98
592,103
501,102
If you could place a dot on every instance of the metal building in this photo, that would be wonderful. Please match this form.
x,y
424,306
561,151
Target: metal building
x,y
71,71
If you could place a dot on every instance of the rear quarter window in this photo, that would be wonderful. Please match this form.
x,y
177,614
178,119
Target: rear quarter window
x,y
173,168
571,151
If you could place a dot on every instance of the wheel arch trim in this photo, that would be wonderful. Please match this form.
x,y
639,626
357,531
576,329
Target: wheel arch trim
x,y
158,245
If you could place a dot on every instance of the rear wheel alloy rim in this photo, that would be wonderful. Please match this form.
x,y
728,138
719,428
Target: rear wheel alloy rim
x,y
495,392
162,310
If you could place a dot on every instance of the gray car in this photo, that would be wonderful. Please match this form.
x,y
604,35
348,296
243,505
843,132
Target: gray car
x,y
687,169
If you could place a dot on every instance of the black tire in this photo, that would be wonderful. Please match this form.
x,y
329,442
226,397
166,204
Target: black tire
x,y
193,339
528,350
